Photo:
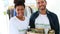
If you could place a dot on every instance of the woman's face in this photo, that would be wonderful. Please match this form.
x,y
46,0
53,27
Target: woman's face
x,y
20,10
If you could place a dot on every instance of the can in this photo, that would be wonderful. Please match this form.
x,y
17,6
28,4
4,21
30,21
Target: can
x,y
40,30
51,31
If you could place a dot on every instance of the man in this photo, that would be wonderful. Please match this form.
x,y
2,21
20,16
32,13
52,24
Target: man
x,y
43,18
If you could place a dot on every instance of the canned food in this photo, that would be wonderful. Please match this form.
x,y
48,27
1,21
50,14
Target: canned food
x,y
32,33
40,30
51,32
36,31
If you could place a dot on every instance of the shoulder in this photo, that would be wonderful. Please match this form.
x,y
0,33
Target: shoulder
x,y
13,18
53,14
26,18
34,14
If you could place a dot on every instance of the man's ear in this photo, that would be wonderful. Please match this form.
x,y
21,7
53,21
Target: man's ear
x,y
46,3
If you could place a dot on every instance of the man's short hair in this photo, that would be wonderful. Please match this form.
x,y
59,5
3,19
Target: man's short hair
x,y
44,0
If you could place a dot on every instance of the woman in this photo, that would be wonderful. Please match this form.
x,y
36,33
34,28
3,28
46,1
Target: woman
x,y
20,22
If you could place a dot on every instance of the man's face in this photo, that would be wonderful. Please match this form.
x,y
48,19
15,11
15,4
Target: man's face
x,y
41,4
20,10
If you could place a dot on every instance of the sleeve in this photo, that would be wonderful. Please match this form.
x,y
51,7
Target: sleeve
x,y
12,29
56,24
31,22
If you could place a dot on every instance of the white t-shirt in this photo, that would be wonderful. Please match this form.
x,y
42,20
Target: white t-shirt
x,y
42,21
20,26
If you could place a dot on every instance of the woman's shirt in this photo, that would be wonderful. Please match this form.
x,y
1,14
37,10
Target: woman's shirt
x,y
20,26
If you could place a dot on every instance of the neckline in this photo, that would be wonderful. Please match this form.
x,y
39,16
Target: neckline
x,y
19,19
42,15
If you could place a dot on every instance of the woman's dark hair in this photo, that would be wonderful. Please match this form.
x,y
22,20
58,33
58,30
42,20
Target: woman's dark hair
x,y
19,3
19,0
